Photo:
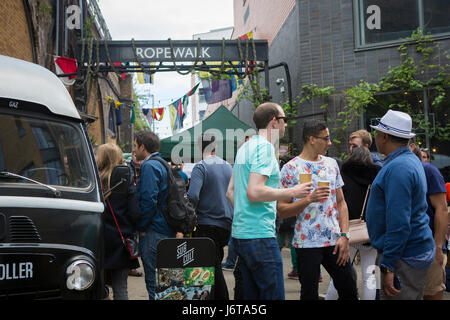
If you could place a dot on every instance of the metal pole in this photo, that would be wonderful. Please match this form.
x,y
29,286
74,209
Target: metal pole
x,y
57,28
266,72
82,18
426,118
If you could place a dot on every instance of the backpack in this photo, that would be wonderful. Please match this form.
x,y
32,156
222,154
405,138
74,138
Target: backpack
x,y
180,213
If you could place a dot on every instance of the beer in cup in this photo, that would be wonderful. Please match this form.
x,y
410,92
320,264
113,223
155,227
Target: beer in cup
x,y
305,177
323,184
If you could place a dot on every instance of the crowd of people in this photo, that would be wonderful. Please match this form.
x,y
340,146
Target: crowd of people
x,y
259,205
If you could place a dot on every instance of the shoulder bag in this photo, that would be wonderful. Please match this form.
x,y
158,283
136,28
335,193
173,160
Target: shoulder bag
x,y
130,243
358,228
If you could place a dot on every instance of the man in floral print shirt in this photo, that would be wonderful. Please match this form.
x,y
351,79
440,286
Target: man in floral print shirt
x,y
321,231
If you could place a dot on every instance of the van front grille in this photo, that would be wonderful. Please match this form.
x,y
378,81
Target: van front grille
x,y
22,230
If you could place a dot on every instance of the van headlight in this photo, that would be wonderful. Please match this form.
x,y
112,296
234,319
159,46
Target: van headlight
x,y
80,275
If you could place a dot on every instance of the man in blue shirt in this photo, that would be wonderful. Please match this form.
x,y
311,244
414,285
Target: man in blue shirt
x,y
152,186
209,182
438,214
396,215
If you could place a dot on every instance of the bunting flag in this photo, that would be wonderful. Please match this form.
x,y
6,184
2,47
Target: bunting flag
x,y
156,112
109,100
178,122
122,75
178,109
216,90
146,109
117,107
248,35
178,105
143,77
190,93
219,90
176,115
132,114
173,116
65,65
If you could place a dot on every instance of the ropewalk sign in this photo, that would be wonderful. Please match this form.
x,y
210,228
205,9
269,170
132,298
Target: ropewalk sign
x,y
174,51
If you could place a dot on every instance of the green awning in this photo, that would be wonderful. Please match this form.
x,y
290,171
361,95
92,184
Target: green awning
x,y
229,131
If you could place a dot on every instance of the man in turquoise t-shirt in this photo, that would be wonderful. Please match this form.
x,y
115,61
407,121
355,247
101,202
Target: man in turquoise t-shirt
x,y
254,191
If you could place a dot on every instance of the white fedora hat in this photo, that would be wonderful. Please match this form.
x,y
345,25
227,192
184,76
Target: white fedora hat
x,y
396,123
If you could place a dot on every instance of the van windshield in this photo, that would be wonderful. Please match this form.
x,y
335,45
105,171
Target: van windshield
x,y
51,152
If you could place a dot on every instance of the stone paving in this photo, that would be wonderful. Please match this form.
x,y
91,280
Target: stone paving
x,y
137,290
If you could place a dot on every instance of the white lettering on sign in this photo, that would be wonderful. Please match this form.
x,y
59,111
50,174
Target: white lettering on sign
x,y
13,271
166,53
74,17
13,104
373,21
183,252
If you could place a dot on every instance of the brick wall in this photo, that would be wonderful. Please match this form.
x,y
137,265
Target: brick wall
x,y
14,34
126,129
265,17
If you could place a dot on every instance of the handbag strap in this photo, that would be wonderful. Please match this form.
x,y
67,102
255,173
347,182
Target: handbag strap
x,y
115,220
365,201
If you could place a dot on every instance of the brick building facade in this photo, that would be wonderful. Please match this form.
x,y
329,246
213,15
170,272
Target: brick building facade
x,y
36,31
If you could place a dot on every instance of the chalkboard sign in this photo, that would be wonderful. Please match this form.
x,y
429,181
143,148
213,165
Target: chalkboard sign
x,y
185,269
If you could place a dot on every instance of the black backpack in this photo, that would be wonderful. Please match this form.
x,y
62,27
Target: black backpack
x,y
180,213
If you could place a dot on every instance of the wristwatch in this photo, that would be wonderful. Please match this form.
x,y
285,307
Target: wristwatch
x,y
347,235
385,269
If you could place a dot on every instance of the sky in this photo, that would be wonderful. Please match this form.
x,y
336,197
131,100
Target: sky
x,y
160,20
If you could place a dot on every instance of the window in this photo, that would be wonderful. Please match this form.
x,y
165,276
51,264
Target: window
x,y
49,152
381,22
436,16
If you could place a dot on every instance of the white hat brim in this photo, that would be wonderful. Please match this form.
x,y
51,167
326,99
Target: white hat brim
x,y
392,133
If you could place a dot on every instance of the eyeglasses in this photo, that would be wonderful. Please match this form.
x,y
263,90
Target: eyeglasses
x,y
284,118
323,138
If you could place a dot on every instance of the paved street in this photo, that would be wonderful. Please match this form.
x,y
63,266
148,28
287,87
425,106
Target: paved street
x,y
137,290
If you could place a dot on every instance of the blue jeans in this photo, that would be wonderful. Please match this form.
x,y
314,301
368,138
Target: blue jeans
x,y
231,257
261,266
147,245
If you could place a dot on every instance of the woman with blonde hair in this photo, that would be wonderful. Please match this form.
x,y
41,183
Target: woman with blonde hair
x,y
126,212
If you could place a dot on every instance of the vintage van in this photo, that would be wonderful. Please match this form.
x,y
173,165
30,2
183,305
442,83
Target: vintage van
x,y
51,205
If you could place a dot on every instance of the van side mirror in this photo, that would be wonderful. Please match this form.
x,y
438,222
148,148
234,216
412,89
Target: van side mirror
x,y
120,180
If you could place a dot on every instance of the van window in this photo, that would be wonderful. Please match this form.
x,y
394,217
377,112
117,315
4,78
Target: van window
x,y
47,151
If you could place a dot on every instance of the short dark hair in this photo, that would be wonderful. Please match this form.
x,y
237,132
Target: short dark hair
x,y
206,139
264,113
398,140
312,127
149,140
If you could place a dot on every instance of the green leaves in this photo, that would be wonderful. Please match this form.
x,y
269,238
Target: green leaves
x,y
405,82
